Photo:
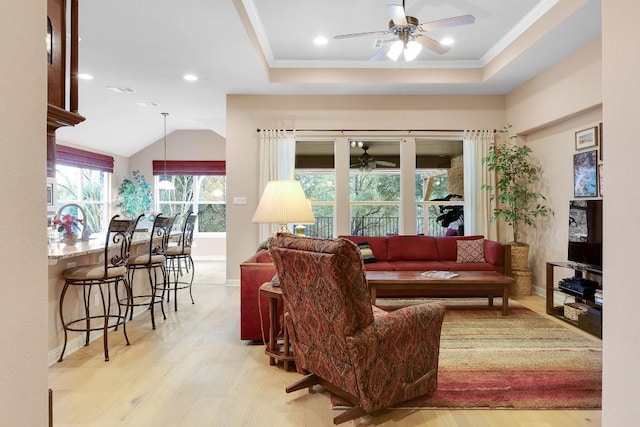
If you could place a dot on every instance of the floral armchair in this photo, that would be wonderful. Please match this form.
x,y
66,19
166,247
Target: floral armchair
x,y
370,358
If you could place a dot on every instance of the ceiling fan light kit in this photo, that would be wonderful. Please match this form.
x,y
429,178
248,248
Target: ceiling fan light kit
x,y
408,30
366,162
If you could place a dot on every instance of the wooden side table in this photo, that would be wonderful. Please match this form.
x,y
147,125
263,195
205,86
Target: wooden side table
x,y
277,353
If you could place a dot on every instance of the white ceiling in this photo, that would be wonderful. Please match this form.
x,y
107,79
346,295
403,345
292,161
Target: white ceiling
x,y
266,47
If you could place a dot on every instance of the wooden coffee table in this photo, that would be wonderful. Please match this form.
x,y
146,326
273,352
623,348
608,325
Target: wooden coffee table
x,y
490,282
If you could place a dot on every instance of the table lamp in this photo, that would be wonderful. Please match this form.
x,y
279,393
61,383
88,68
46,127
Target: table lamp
x,y
284,202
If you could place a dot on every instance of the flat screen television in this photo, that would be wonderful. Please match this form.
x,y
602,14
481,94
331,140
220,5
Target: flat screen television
x,y
585,232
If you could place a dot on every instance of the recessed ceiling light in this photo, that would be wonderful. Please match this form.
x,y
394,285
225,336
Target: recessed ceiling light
x,y
447,41
320,41
190,77
121,89
85,76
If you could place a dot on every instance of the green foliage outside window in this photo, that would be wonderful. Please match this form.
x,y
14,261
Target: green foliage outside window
x,y
203,195
135,196
87,188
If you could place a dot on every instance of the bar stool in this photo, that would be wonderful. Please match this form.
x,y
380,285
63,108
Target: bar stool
x,y
108,274
152,260
179,262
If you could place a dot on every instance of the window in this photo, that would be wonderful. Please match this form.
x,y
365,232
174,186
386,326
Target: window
x,y
85,187
203,195
377,173
439,187
320,188
375,203
374,188
84,178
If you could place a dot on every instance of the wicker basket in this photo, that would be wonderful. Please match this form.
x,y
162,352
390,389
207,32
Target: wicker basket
x,y
519,257
522,285
575,309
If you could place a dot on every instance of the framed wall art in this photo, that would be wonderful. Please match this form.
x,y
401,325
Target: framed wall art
x,y
585,174
587,138
600,179
51,196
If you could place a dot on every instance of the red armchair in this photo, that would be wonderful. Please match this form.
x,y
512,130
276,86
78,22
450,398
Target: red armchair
x,y
370,358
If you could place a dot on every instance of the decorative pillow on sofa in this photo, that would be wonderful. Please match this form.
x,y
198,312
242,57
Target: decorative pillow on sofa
x,y
366,252
470,251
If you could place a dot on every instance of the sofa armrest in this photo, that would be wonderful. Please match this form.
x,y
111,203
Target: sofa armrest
x,y
494,254
254,310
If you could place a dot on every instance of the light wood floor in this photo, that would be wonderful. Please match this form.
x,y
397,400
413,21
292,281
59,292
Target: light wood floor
x,y
193,370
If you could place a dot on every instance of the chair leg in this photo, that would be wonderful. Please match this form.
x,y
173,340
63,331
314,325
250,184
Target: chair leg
x,y
105,328
189,261
349,414
307,381
153,296
165,283
64,326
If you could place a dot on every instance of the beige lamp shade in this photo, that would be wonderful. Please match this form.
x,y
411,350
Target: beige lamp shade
x,y
282,203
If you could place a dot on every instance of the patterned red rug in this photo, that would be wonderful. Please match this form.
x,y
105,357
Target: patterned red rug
x,y
523,361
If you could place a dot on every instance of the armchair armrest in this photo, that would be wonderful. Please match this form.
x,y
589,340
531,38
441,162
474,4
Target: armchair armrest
x,y
397,354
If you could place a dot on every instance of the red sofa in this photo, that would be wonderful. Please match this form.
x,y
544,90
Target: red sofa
x,y
409,253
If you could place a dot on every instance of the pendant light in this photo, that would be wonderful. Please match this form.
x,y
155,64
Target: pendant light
x,y
165,184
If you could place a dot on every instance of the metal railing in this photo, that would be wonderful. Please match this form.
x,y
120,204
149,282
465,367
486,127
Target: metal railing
x,y
372,226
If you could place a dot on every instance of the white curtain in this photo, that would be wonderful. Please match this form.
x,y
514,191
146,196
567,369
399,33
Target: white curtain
x,y
277,162
478,206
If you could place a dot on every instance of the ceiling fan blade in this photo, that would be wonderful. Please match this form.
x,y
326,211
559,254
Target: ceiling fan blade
x,y
368,33
432,44
397,14
385,163
448,22
381,53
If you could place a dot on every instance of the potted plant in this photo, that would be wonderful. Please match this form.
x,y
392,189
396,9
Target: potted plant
x,y
68,224
517,175
135,196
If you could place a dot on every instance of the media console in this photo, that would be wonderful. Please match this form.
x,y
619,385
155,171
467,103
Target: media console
x,y
591,319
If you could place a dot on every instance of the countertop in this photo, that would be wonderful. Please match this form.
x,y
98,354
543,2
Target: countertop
x,y
60,250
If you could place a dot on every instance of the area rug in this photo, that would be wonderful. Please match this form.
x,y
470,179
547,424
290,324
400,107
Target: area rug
x,y
522,361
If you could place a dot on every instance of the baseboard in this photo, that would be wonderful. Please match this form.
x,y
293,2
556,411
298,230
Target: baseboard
x,y
232,282
210,258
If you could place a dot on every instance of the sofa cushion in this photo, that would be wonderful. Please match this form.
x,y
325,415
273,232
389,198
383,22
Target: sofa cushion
x,y
470,251
412,248
448,247
378,245
366,252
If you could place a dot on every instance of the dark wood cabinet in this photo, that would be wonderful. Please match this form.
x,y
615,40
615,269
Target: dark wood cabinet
x,y
591,319
58,113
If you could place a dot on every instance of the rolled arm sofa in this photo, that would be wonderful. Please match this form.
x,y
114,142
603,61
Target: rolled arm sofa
x,y
402,252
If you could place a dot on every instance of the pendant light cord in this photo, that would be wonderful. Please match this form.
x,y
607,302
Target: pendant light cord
x,y
165,143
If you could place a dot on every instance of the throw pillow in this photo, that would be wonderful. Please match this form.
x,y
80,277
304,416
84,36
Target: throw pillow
x,y
366,252
470,251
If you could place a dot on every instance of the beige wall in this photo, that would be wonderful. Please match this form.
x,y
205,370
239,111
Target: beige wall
x,y
23,306
245,114
185,145
621,100
565,90
547,111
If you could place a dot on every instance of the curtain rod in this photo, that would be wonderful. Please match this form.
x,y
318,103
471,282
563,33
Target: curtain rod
x,y
377,130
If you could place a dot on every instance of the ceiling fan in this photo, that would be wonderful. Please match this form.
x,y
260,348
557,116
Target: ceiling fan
x,y
366,162
408,29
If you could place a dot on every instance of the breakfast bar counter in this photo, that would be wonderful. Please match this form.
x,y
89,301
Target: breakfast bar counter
x,y
62,256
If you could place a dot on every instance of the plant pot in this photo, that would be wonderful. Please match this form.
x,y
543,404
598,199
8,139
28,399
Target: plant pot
x,y
519,257
70,239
